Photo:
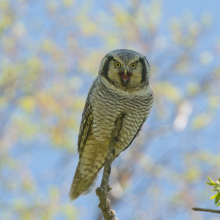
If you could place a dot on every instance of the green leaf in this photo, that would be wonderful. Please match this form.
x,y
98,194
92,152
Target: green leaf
x,y
210,180
217,188
211,184
217,198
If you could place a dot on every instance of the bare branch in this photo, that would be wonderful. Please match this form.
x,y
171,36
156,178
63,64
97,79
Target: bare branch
x,y
206,210
103,190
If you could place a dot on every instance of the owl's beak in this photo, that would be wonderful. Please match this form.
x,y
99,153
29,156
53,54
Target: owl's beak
x,y
125,70
125,75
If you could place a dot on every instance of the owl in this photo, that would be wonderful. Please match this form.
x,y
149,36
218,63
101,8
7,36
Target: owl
x,y
121,88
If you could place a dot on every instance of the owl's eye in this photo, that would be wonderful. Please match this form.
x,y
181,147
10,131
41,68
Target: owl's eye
x,y
133,65
117,64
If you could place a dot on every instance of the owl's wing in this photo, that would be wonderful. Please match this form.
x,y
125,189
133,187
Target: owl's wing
x,y
86,122
135,135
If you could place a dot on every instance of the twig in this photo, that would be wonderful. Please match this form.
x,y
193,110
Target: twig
x,y
102,191
207,210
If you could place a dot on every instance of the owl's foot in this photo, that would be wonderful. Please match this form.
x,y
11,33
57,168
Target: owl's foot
x,y
115,140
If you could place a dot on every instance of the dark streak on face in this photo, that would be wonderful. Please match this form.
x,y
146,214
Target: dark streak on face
x,y
144,70
106,68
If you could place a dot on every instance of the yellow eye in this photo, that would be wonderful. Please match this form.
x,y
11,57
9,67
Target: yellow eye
x,y
117,64
133,65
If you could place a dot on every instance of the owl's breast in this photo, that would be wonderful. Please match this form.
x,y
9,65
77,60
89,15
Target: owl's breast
x,y
106,107
108,103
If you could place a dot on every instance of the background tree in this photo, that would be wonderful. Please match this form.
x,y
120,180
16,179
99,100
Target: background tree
x,y
50,53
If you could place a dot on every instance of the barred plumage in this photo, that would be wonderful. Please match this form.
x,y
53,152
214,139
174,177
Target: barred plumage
x,y
122,87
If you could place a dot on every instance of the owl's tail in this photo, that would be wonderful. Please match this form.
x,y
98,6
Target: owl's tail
x,y
81,185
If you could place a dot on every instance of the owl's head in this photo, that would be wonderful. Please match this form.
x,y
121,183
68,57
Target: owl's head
x,y
125,68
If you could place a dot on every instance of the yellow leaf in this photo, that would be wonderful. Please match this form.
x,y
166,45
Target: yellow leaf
x,y
201,121
28,103
213,196
168,90
214,102
68,3
54,192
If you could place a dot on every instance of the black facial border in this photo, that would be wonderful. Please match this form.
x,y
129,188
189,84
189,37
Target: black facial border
x,y
106,68
144,70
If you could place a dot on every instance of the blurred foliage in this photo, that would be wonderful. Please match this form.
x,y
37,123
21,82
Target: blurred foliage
x,y
216,188
49,54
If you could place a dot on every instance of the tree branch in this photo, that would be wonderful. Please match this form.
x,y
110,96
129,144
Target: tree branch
x,y
206,210
102,191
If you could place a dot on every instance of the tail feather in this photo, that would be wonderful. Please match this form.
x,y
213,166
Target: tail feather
x,y
81,185
92,185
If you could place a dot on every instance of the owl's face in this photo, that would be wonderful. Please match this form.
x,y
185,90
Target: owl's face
x,y
125,68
